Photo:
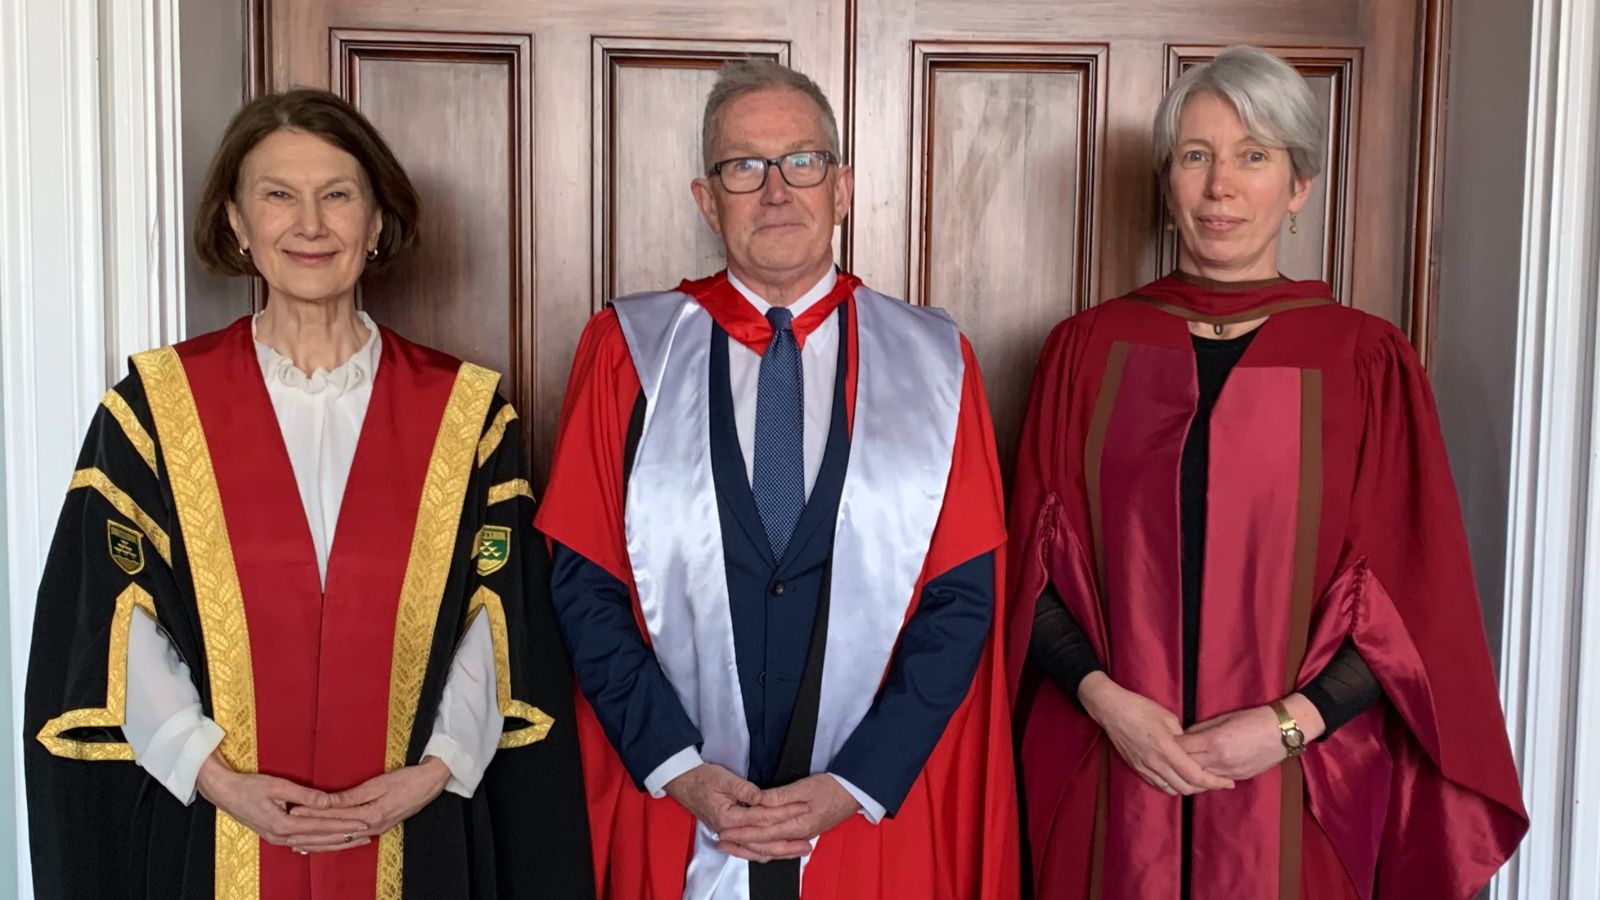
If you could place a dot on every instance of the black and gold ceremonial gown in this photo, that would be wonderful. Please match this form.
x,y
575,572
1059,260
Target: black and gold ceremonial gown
x,y
184,504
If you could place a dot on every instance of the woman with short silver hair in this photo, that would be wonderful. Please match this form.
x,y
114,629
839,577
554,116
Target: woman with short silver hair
x,y
1245,643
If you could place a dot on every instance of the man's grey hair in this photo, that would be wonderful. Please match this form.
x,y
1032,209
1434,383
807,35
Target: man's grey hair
x,y
745,76
1272,100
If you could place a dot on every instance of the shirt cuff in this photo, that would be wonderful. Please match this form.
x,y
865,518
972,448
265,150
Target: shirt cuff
x,y
178,750
465,772
467,727
870,808
676,764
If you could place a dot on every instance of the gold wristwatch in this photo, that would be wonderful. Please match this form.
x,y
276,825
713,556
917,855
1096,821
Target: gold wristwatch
x,y
1294,740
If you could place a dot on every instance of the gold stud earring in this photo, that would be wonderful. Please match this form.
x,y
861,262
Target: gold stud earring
x,y
244,251
1294,223
1170,226
373,253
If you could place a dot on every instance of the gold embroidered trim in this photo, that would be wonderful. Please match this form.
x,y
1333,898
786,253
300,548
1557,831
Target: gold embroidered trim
x,y
505,490
495,433
444,491
391,863
539,722
218,596
112,714
137,436
101,483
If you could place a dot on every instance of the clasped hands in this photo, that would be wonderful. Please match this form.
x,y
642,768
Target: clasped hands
x,y
762,825
1211,755
287,814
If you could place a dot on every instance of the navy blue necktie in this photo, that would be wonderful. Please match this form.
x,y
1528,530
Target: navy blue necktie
x,y
779,477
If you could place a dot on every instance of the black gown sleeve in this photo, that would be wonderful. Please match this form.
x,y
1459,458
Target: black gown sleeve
x,y
525,830
534,784
89,804
1059,647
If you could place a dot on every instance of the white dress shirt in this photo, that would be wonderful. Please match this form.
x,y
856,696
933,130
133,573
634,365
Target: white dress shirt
x,y
320,416
819,361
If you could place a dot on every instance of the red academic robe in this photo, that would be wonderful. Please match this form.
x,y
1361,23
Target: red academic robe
x,y
956,834
1331,514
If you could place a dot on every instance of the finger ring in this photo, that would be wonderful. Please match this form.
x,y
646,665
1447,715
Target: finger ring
x,y
349,837
1163,785
302,851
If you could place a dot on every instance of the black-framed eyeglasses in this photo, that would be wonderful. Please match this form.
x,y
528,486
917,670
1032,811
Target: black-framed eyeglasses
x,y
748,174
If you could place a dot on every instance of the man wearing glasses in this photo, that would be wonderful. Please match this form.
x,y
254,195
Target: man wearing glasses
x,y
777,523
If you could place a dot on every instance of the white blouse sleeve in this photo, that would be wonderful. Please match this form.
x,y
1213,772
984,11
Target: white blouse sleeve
x,y
467,729
162,721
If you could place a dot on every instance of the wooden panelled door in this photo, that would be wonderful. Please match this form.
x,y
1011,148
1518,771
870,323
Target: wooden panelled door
x,y
1001,150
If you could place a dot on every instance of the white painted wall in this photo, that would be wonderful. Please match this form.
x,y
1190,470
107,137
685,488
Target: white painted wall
x,y
51,297
1550,666
1480,246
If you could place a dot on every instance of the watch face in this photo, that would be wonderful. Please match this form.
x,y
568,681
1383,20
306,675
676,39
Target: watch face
x,y
1294,739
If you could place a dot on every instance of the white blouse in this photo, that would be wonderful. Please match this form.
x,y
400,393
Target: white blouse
x,y
320,416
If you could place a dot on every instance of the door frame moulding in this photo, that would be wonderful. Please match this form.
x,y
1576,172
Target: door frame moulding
x,y
1549,686
1429,162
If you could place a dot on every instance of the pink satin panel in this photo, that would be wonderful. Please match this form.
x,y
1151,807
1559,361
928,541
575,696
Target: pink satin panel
x,y
1139,500
1252,505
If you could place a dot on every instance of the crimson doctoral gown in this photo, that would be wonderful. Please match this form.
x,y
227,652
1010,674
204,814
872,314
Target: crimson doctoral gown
x,y
1330,515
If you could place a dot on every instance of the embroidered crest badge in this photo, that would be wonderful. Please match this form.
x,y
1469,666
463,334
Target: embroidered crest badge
x,y
126,546
494,548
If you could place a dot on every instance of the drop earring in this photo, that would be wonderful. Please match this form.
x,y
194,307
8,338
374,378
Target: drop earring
x,y
1294,223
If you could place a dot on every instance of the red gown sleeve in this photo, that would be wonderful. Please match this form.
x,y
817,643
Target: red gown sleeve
x,y
1050,541
1047,500
972,521
583,502
1455,809
956,833
637,841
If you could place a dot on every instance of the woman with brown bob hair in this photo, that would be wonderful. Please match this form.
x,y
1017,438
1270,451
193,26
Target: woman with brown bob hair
x,y
295,576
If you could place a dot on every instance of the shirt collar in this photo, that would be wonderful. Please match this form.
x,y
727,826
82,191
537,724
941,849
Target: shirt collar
x,y
799,306
357,370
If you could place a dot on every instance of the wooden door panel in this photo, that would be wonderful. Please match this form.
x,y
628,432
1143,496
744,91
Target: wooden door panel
x,y
1009,277
453,107
1002,153
648,93
1005,146
606,92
